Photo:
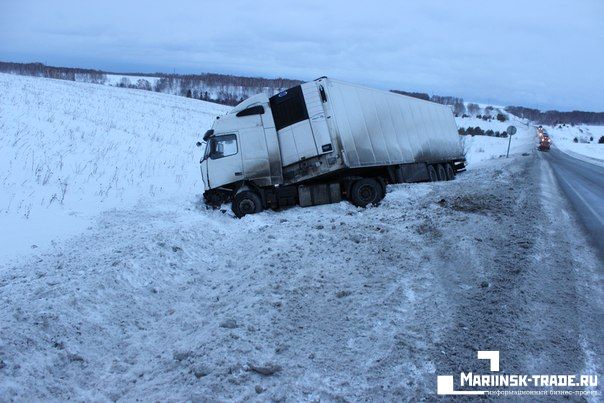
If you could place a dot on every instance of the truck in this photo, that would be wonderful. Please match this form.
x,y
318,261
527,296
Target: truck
x,y
544,144
324,141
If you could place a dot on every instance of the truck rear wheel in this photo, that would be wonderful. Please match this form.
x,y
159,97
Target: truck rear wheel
x,y
442,174
450,172
432,173
246,202
366,191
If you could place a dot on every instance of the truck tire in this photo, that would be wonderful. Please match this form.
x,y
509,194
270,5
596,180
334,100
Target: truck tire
x,y
450,172
246,202
432,173
442,174
214,198
366,191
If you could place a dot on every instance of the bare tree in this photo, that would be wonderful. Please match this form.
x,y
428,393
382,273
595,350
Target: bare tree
x,y
473,109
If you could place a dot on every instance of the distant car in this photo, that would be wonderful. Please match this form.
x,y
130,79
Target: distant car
x,y
544,145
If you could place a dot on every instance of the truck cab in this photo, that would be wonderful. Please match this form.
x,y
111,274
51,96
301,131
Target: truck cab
x,y
241,145
267,142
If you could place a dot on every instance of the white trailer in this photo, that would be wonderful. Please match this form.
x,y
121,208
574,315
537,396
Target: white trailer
x,y
325,140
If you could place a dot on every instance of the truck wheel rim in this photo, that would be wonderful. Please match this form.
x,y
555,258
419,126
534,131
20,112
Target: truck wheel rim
x,y
367,193
247,206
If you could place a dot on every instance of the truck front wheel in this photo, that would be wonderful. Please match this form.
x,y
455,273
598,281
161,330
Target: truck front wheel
x,y
246,202
366,191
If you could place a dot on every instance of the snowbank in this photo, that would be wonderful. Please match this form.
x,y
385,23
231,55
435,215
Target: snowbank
x,y
585,148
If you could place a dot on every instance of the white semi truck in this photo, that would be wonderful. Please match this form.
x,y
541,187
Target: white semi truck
x,y
322,141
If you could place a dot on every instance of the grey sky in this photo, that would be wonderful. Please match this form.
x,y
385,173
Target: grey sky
x,y
543,53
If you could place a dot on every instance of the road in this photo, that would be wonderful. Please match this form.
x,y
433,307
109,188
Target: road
x,y
583,184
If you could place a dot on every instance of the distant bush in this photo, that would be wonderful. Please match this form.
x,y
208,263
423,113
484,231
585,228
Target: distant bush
x,y
501,117
478,131
142,84
124,83
601,141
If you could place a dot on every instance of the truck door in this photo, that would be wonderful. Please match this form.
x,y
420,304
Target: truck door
x,y
296,140
224,164
300,123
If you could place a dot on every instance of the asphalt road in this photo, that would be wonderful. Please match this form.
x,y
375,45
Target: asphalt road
x,y
583,184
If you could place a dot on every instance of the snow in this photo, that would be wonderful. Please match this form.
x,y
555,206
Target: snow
x,y
589,150
483,148
170,302
153,297
165,301
71,150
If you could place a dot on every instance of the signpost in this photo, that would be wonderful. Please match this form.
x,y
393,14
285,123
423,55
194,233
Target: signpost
x,y
511,130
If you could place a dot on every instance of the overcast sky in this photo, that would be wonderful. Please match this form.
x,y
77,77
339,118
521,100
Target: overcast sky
x,y
539,53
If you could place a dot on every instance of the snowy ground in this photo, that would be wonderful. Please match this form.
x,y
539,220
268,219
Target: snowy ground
x,y
159,299
331,302
482,148
72,150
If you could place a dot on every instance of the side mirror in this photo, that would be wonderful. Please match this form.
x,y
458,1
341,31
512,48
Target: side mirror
x,y
198,144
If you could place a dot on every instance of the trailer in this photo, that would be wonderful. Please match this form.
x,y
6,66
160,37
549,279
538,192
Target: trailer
x,y
324,141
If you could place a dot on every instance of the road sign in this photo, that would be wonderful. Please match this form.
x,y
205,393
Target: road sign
x,y
511,130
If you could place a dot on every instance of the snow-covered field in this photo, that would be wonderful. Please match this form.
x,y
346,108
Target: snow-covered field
x,y
72,150
482,148
586,147
156,298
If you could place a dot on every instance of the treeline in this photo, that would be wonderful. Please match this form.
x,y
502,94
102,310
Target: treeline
x,y
557,117
230,90
61,73
459,107
220,88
